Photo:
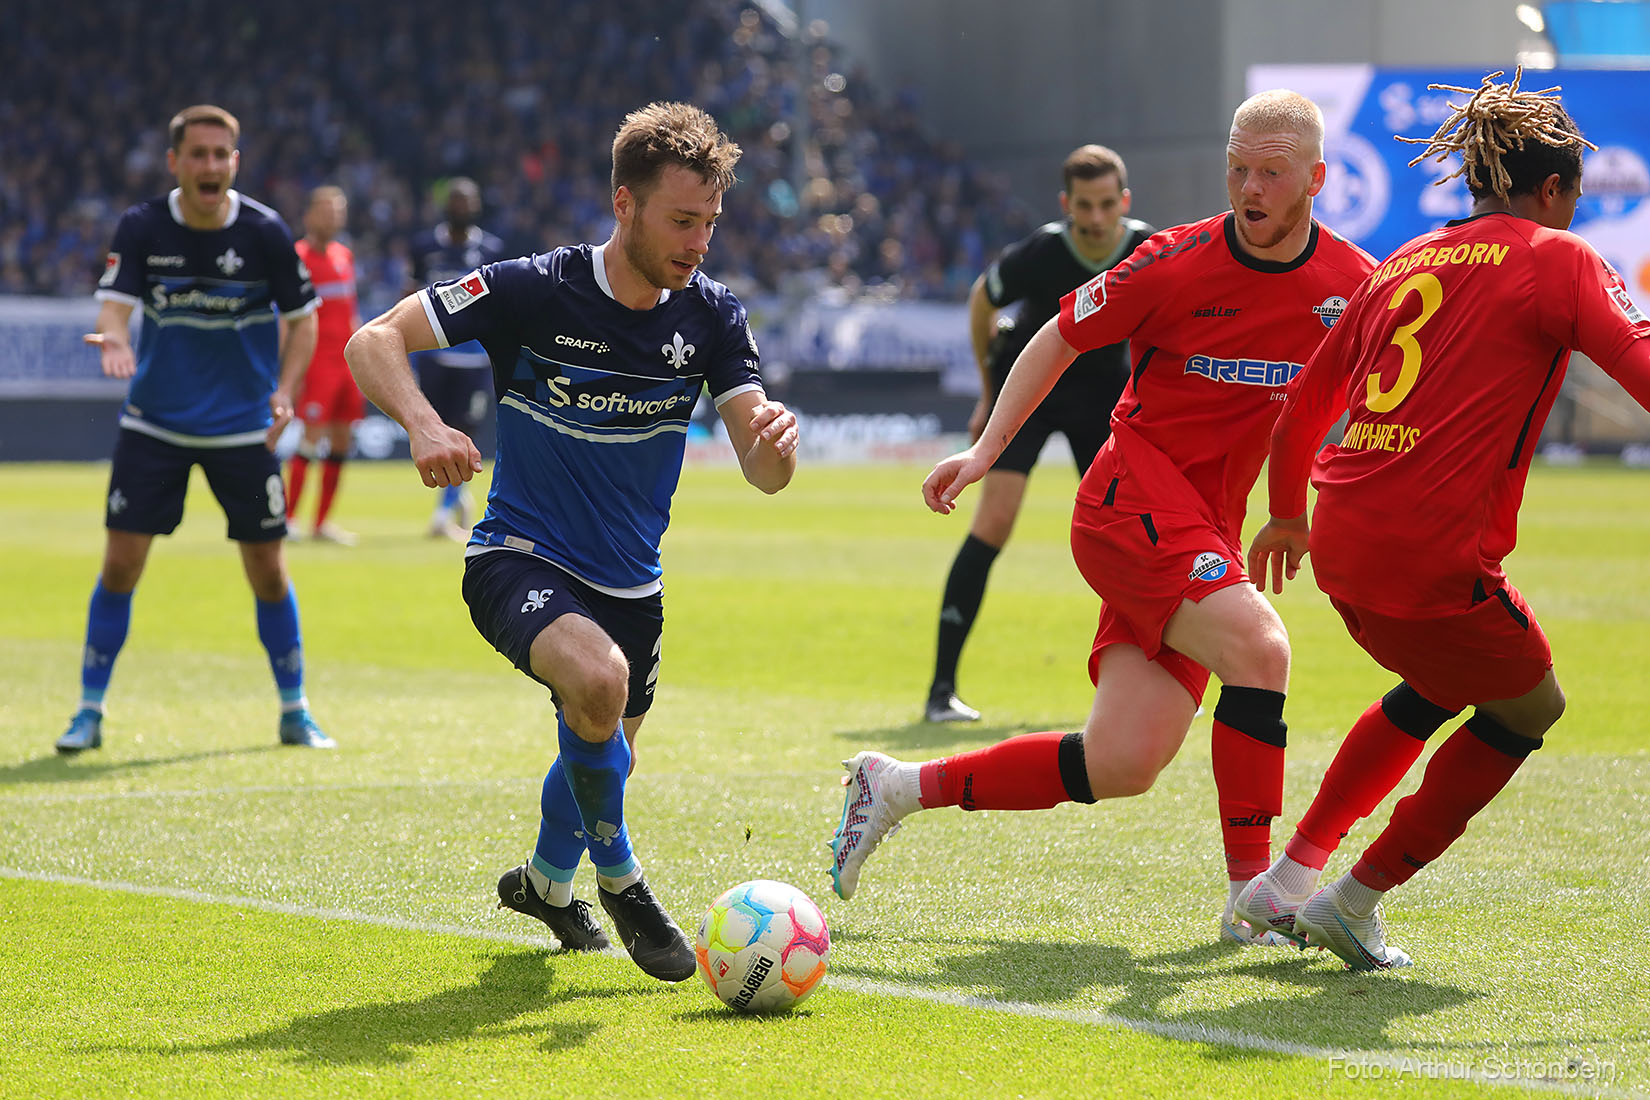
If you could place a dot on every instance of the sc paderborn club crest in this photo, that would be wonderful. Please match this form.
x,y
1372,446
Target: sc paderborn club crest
x,y
676,352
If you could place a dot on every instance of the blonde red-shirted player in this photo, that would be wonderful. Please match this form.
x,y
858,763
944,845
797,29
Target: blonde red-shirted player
x,y
1220,315
330,403
1448,359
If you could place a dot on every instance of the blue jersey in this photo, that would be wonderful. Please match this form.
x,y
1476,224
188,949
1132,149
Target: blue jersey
x,y
593,408
208,354
437,258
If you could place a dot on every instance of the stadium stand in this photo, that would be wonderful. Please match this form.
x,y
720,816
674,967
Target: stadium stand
x,y
389,100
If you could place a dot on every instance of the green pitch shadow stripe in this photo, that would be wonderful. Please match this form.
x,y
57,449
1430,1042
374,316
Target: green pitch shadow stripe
x,y
1395,1067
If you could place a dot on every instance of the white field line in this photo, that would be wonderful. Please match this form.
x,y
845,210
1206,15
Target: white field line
x,y
1372,1065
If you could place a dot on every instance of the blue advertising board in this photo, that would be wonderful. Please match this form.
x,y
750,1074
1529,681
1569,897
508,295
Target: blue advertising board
x,y
1372,195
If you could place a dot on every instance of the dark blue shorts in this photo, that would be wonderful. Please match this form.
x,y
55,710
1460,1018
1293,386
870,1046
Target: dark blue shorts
x,y
513,596
150,477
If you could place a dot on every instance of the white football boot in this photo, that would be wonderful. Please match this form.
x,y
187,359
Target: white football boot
x,y
1359,941
1265,908
880,791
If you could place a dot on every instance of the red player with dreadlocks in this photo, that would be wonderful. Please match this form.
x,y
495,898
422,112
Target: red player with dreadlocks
x,y
1448,359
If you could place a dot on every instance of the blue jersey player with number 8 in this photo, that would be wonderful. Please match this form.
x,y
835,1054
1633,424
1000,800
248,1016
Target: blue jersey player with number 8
x,y
228,330
598,354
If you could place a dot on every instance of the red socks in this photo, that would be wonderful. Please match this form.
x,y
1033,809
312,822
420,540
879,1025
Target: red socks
x,y
1248,745
330,469
295,471
1022,773
1462,777
1373,759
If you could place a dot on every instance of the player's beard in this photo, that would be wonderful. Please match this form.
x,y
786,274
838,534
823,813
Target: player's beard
x,y
1282,225
656,269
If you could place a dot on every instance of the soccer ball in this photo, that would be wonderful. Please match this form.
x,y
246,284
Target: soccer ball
x,y
762,946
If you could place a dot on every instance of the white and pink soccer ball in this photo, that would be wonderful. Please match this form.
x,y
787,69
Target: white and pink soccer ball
x,y
762,946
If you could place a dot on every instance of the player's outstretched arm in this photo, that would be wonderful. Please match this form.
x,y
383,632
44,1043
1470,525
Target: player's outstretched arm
x,y
377,357
764,435
1278,547
113,339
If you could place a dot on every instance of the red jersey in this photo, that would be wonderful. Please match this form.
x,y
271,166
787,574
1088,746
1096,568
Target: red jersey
x,y
333,272
1449,359
1215,336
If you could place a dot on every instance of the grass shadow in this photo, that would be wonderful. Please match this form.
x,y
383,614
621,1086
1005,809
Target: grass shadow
x,y
80,768
510,987
1148,991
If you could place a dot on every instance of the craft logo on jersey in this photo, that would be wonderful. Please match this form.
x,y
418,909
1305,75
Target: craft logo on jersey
x,y
1209,567
676,352
230,262
1330,309
111,270
1090,297
463,293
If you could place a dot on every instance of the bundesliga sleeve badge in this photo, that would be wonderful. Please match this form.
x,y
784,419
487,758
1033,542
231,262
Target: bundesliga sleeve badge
x,y
464,292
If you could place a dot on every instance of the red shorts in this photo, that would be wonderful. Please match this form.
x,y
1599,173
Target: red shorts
x,y
1495,651
330,396
1145,563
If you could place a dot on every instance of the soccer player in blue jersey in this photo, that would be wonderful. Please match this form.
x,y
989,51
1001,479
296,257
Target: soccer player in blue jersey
x,y
229,327
599,353
456,379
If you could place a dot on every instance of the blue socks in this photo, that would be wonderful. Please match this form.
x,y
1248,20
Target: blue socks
x,y
449,497
278,631
596,775
106,623
561,839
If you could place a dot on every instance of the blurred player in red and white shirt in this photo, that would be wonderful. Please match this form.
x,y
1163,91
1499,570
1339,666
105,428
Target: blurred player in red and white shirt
x,y
330,403
1220,315
1448,359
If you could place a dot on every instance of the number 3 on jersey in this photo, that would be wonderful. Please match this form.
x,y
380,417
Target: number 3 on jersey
x,y
1426,285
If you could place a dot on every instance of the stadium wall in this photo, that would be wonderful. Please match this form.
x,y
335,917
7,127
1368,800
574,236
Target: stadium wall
x,y
1019,85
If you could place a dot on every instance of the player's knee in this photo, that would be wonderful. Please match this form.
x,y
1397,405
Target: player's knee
x,y
596,696
1130,777
1124,773
1265,659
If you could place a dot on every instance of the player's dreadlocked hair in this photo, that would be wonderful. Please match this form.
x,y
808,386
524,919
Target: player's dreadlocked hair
x,y
662,134
1509,141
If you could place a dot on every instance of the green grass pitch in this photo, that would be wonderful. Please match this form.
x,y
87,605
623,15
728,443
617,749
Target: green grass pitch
x,y
192,911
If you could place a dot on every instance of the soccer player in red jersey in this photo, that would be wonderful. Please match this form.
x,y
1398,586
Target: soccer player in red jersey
x,y
1220,314
1449,359
330,403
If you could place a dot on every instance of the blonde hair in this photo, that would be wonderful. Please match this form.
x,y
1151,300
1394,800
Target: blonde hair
x,y
1281,111
1509,141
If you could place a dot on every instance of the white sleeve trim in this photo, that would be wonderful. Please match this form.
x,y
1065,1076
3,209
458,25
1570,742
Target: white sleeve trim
x,y
117,296
435,322
304,310
723,398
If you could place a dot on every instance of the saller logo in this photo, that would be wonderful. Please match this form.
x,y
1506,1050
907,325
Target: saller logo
x,y
753,982
1208,567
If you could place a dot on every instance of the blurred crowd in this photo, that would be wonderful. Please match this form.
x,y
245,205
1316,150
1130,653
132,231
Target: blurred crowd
x,y
389,101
